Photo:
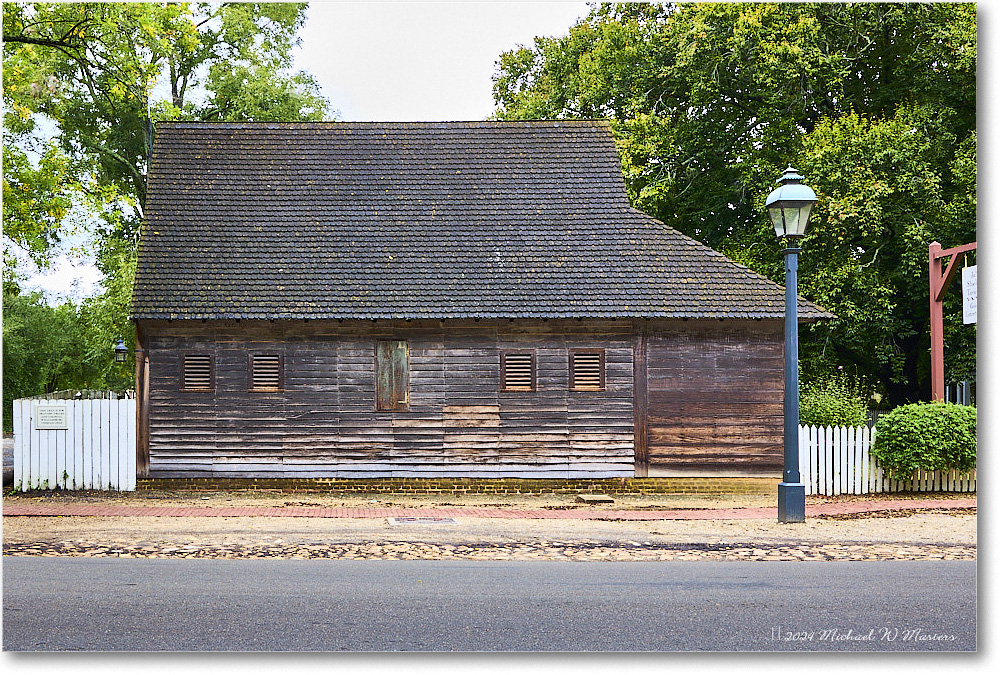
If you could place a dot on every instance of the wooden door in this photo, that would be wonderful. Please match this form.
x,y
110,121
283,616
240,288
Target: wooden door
x,y
392,375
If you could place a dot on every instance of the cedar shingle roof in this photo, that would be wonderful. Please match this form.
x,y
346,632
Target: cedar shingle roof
x,y
417,220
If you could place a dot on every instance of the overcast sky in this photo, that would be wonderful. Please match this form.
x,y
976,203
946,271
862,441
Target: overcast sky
x,y
391,61
420,61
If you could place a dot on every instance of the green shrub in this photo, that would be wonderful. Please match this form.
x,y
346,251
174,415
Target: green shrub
x,y
833,402
928,436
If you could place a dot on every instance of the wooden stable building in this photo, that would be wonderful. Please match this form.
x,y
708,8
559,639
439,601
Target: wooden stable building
x,y
438,299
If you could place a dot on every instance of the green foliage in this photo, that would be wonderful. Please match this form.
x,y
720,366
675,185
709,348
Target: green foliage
x,y
884,186
833,402
41,349
928,436
105,320
242,93
36,197
874,102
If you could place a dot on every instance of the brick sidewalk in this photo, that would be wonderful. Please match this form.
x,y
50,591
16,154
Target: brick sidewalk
x,y
771,513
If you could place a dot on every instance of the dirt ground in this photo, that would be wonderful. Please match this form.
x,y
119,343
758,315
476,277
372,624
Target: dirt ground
x,y
934,528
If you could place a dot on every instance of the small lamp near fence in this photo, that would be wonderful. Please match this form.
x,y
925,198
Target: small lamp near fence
x,y
789,206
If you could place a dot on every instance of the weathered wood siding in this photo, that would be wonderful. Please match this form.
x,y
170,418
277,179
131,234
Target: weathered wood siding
x,y
715,397
458,421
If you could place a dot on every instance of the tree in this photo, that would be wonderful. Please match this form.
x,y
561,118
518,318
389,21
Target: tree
x,y
884,195
708,103
36,198
704,99
41,348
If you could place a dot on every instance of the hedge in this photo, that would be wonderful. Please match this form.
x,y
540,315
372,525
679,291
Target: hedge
x,y
928,436
832,403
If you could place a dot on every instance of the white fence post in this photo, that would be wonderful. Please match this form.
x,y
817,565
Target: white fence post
x,y
804,463
78,481
855,459
865,443
833,460
837,460
96,450
106,423
130,445
22,457
87,443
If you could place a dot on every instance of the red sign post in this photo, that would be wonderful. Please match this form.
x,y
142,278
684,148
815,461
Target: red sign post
x,y
940,277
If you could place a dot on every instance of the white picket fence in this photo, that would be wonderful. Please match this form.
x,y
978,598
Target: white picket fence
x,y
837,460
84,444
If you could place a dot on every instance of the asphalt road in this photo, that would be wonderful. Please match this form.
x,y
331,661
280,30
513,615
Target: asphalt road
x,y
107,604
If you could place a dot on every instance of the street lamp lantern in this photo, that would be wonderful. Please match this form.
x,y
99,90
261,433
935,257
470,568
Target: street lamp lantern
x,y
789,206
121,351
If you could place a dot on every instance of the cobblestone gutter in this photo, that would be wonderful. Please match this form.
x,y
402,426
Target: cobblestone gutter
x,y
565,551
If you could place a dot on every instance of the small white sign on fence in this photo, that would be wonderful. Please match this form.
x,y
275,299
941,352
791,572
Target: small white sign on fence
x,y
51,417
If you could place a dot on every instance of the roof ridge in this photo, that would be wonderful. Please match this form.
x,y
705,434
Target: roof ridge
x,y
416,124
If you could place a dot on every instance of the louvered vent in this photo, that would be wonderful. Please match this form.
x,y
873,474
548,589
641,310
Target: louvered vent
x,y
197,371
588,370
518,374
266,371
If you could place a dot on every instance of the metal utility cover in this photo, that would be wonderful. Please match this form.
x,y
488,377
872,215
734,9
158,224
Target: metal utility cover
x,y
595,499
422,521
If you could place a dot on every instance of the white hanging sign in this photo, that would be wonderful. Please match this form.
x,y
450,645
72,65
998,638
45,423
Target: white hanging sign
x,y
969,294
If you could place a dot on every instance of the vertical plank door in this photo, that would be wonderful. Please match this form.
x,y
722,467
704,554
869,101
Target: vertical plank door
x,y
392,375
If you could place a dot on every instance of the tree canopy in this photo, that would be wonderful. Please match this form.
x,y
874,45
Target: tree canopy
x,y
874,103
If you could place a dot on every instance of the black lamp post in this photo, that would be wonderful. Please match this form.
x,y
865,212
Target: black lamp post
x,y
789,207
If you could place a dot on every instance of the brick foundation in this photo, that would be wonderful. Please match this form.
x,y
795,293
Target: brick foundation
x,y
617,486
